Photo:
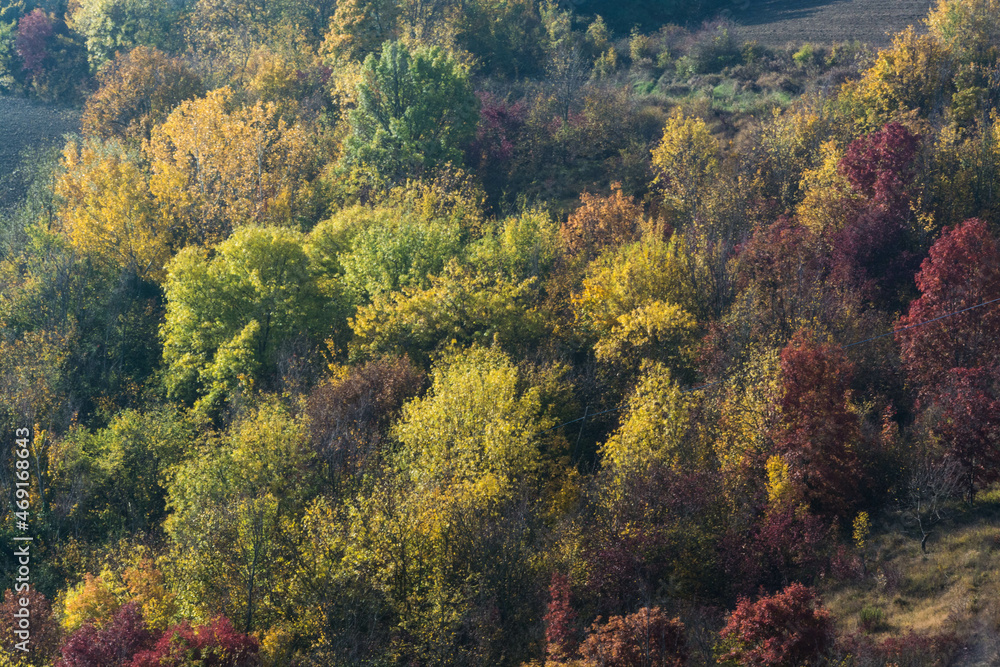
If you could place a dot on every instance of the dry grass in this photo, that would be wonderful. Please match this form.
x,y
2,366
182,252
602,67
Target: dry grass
x,y
954,588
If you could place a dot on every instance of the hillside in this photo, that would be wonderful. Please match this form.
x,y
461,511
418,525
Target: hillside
x,y
780,22
26,126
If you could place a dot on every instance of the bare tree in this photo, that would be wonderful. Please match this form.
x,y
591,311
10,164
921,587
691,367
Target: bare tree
x,y
932,484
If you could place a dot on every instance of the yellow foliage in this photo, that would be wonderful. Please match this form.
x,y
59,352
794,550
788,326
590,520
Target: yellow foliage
x,y
686,161
914,73
827,194
95,599
217,166
147,586
108,211
655,428
862,529
779,482
970,28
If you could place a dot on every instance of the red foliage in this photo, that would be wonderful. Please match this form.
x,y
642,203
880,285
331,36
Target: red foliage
x,y
816,427
966,414
559,619
112,646
34,31
215,644
963,270
500,123
644,638
667,513
44,639
880,165
784,544
788,629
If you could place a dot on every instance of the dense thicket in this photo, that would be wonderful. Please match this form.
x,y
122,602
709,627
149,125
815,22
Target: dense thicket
x,y
420,332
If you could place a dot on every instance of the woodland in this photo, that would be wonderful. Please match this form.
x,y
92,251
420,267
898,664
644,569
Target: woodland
x,y
429,333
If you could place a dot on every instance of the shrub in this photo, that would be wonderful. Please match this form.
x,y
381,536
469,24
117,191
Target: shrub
x,y
646,637
872,619
215,644
787,629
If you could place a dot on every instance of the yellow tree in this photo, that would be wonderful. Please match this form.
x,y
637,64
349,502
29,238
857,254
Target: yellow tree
x,y
686,160
108,211
217,166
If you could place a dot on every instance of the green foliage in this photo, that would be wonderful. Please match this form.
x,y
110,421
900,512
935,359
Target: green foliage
x,y
229,316
459,307
109,26
227,502
519,247
416,112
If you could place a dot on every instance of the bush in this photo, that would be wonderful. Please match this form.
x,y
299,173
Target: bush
x,y
646,637
872,619
787,629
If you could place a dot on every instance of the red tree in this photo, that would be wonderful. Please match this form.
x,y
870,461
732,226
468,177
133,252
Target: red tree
x,y
879,166
112,646
816,427
34,31
560,635
788,629
215,644
647,637
963,270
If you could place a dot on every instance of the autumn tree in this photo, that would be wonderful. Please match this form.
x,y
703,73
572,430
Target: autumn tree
x,y
138,90
603,221
560,640
686,161
114,645
968,28
783,630
109,212
962,270
645,637
416,111
257,293
217,165
817,431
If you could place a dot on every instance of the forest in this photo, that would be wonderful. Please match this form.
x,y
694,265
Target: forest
x,y
425,333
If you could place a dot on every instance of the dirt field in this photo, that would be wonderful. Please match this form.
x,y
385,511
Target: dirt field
x,y
25,125
778,22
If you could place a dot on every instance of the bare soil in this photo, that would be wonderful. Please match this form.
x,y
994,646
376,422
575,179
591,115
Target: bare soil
x,y
781,22
26,126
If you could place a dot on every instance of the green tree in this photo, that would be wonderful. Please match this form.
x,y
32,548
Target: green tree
x,y
109,26
416,111
228,317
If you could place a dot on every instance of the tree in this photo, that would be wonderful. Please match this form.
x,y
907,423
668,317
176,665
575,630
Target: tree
x,y
968,28
115,645
416,111
217,166
43,640
817,431
138,90
686,161
961,270
227,506
109,212
110,26
560,640
646,637
55,63
213,644
614,220
256,295
490,448
787,629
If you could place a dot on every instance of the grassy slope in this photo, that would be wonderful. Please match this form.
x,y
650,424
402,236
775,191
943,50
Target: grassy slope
x,y
954,588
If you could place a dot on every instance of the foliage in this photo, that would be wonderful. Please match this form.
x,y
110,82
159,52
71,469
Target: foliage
x,y
818,432
115,645
416,112
217,166
138,90
646,637
110,26
256,295
614,220
214,644
560,643
785,629
44,629
686,160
